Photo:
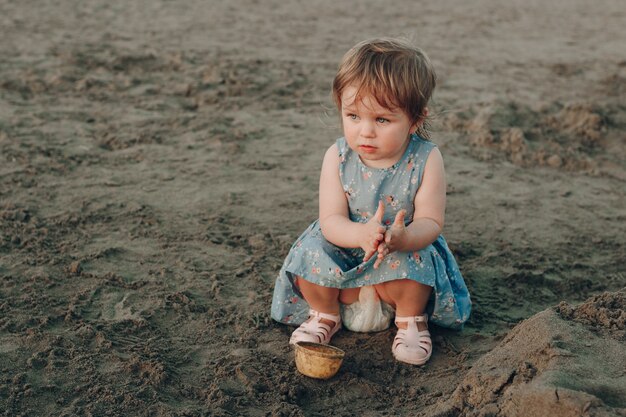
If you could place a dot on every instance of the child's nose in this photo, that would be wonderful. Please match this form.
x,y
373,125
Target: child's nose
x,y
368,130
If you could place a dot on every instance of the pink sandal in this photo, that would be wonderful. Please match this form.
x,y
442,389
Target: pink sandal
x,y
410,345
314,330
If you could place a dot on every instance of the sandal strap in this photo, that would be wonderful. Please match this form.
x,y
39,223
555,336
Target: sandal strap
x,y
314,327
332,317
415,319
413,339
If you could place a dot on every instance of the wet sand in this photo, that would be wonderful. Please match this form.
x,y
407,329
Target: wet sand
x,y
157,160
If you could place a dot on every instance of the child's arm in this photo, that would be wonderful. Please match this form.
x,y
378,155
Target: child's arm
x,y
428,218
336,226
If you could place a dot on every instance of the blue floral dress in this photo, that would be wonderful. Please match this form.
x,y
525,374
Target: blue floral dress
x,y
320,262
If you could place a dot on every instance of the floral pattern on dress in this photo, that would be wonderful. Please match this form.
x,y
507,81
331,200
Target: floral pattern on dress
x,y
319,261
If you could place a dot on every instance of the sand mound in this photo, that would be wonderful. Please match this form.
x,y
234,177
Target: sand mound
x,y
557,362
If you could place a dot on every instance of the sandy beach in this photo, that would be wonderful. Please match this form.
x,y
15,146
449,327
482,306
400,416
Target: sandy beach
x,y
158,159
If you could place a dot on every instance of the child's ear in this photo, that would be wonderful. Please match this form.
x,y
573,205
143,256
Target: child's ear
x,y
420,121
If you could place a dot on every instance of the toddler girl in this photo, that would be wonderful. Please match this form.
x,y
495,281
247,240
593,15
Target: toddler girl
x,y
377,246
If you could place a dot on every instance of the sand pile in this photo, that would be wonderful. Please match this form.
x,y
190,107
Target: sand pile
x,y
565,361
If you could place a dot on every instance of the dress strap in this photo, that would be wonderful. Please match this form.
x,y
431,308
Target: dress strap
x,y
342,146
423,148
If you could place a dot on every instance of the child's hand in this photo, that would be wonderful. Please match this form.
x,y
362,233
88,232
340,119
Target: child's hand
x,y
395,238
373,233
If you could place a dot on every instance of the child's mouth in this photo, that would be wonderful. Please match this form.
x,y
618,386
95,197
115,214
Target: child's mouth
x,y
367,148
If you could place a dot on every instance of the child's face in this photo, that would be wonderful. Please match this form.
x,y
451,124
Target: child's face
x,y
379,135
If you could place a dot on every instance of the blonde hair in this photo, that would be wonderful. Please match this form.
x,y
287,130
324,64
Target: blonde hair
x,y
394,72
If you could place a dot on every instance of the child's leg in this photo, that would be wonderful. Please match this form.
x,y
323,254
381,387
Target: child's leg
x,y
407,296
412,343
322,299
324,320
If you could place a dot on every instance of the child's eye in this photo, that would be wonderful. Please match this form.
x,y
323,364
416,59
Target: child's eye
x,y
382,120
352,116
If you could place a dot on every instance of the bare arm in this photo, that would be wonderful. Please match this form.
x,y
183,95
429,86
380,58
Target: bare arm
x,y
336,226
430,205
428,218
